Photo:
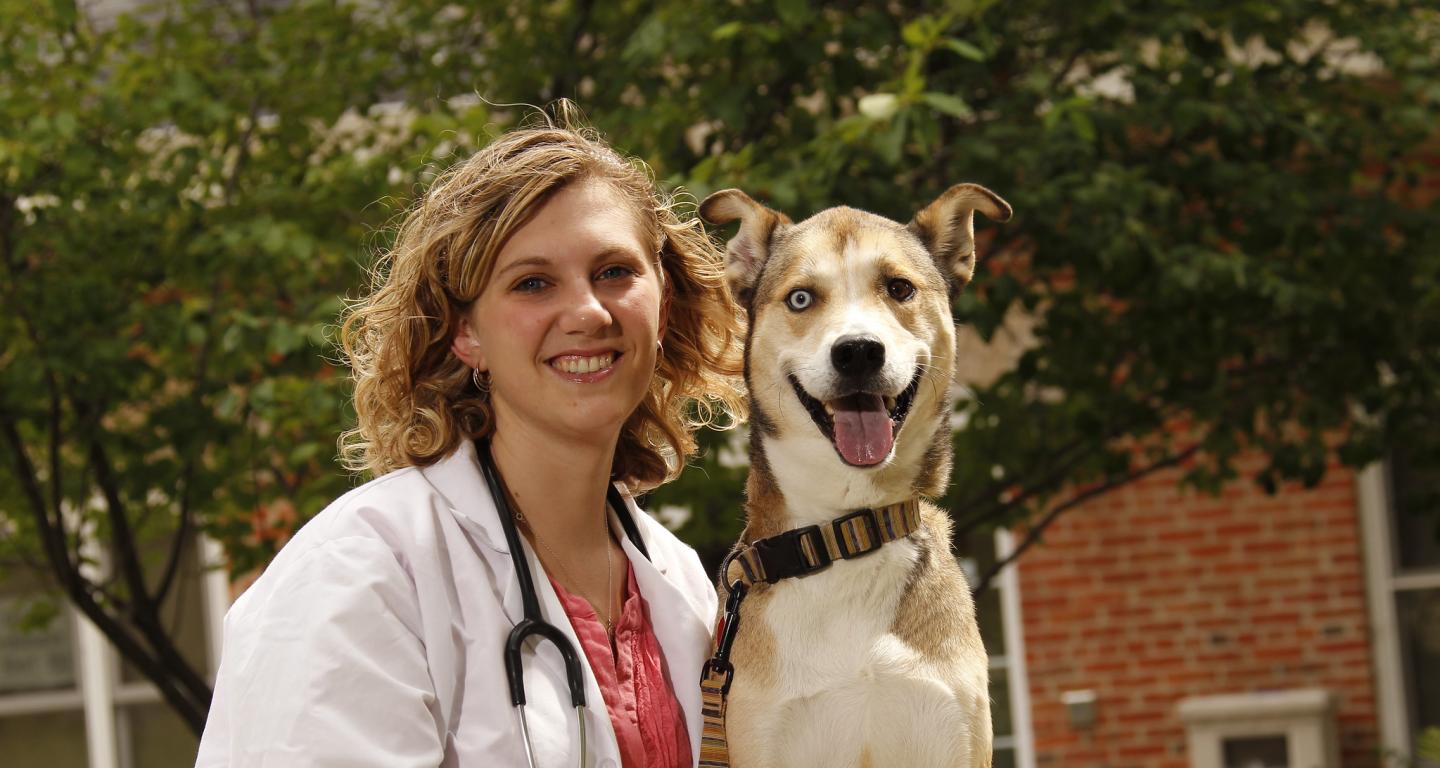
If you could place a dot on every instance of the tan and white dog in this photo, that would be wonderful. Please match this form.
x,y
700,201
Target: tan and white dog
x,y
876,660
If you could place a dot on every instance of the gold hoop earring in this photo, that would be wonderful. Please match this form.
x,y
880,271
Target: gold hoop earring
x,y
482,384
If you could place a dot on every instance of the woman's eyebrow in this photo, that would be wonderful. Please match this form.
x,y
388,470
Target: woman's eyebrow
x,y
610,252
525,263
605,252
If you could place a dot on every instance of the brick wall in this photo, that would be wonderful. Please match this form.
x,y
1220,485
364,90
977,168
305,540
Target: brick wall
x,y
1148,595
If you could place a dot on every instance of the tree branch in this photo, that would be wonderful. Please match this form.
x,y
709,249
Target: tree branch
x,y
54,544
993,489
1033,534
79,590
123,538
144,608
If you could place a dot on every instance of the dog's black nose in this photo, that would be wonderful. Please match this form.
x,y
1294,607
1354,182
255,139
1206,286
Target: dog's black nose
x,y
857,356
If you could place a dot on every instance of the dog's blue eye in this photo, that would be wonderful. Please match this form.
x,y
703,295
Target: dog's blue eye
x,y
800,299
900,289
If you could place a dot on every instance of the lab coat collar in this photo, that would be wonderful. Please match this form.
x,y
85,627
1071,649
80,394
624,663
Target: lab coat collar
x,y
457,477
681,630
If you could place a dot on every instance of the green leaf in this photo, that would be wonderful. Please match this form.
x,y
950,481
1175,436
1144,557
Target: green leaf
x,y
64,124
1083,125
950,105
966,49
892,143
915,33
793,13
726,31
65,12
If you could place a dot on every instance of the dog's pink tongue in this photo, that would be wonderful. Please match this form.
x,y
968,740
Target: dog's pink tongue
x,y
864,433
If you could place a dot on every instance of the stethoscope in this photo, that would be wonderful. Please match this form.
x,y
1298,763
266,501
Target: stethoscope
x,y
534,623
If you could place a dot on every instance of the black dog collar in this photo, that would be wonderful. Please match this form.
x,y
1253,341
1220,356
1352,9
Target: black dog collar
x,y
813,548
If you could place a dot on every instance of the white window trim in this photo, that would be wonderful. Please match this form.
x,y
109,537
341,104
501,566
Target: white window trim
x,y
97,687
98,692
1382,584
40,702
216,586
1022,739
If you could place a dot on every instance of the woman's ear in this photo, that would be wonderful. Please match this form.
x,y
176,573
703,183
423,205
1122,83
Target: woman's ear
x,y
467,347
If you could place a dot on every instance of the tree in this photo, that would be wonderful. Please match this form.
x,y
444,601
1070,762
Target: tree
x,y
185,198
1224,240
1223,234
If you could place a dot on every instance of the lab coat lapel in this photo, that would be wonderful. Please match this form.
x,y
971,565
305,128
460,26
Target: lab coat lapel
x,y
681,631
458,479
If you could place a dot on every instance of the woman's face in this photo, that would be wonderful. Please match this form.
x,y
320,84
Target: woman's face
x,y
567,325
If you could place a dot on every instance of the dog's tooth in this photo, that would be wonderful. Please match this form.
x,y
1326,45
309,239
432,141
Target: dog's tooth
x,y
890,403
829,409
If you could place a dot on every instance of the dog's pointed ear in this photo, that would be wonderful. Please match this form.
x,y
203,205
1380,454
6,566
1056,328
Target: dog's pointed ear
x,y
747,251
947,228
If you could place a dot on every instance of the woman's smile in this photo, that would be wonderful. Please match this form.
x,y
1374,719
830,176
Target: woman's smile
x,y
583,367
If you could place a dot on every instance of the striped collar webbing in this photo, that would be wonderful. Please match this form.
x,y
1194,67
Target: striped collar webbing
x,y
807,550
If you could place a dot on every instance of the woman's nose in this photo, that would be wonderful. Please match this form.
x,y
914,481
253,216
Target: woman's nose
x,y
586,313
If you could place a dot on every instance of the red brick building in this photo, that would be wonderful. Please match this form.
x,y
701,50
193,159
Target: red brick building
x,y
1149,596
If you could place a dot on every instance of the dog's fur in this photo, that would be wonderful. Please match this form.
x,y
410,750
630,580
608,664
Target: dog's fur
x,y
875,661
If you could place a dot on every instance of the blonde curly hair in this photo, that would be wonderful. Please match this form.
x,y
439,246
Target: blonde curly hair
x,y
414,398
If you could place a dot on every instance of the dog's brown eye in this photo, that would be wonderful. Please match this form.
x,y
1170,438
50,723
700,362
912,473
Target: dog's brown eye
x,y
900,289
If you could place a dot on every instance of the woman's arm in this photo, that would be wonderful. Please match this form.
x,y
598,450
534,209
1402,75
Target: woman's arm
x,y
324,666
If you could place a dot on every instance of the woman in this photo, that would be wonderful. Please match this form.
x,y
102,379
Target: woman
x,y
542,305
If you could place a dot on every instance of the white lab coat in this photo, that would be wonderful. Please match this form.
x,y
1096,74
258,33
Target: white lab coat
x,y
375,638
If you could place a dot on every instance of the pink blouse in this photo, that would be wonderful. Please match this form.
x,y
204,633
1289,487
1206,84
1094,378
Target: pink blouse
x,y
649,724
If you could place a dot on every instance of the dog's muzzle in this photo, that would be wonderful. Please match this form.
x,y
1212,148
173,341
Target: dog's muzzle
x,y
861,425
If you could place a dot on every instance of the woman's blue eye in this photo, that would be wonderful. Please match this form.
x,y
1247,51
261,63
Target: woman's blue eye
x,y
617,271
800,299
529,285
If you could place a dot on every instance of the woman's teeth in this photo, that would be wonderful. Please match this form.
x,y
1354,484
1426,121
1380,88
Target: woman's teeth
x,y
584,364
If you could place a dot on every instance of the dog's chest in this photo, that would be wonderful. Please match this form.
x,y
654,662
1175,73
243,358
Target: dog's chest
x,y
830,628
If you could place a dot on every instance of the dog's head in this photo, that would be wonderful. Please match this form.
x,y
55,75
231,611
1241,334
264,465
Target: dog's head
x,y
851,339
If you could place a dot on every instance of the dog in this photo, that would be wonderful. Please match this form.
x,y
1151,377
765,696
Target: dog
x,y
872,660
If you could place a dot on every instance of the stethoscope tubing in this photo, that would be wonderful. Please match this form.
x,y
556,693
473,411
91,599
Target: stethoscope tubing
x,y
533,623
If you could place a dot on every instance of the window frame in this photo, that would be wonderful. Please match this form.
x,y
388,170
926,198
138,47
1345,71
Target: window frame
x,y
1022,736
1384,581
98,692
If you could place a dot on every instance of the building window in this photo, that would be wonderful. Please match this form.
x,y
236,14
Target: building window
x,y
67,700
998,611
1400,517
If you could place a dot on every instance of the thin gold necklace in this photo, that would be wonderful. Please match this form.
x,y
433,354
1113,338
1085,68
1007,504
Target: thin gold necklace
x,y
605,618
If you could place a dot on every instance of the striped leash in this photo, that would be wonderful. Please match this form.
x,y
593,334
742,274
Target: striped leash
x,y
792,554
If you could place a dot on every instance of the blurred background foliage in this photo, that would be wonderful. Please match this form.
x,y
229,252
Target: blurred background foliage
x,y
1225,237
